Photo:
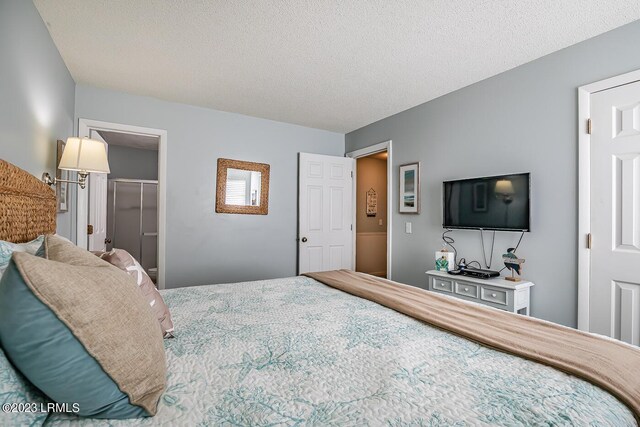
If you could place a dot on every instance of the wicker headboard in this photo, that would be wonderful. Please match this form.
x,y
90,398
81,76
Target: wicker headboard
x,y
27,205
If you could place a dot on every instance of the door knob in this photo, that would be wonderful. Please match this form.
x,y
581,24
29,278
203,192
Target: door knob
x,y
304,240
107,241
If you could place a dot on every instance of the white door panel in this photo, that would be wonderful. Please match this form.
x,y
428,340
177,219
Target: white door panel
x,y
98,211
97,216
614,294
325,234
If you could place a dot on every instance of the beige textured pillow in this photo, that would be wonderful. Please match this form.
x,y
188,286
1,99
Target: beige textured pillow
x,y
99,305
125,262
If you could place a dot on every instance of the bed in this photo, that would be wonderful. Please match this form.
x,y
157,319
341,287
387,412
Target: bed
x,y
294,351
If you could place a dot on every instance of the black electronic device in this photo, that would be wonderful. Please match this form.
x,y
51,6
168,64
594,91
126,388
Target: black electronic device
x,y
489,203
479,273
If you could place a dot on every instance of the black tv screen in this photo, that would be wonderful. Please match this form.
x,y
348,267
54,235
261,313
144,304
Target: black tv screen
x,y
490,203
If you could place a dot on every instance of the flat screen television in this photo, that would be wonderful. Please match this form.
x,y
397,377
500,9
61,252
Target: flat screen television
x,y
489,203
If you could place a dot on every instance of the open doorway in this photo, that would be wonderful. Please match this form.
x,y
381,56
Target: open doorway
x,y
132,197
371,214
372,209
125,209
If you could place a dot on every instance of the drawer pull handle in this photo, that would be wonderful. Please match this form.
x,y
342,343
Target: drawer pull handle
x,y
494,295
466,289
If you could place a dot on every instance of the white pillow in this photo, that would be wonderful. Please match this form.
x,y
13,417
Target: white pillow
x,y
7,249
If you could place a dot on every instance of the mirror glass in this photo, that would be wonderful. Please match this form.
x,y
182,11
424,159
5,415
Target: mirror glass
x,y
243,187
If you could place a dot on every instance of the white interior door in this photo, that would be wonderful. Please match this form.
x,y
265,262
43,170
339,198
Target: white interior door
x,y
325,209
97,211
97,221
614,290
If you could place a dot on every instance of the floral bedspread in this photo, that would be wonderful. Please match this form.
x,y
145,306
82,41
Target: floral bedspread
x,y
294,352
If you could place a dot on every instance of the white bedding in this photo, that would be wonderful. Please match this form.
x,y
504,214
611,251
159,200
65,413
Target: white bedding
x,y
292,351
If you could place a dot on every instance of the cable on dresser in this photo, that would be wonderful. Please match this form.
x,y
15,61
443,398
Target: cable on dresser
x,y
449,241
519,240
469,263
484,255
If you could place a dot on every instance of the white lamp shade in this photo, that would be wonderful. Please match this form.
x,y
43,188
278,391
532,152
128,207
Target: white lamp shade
x,y
504,186
86,155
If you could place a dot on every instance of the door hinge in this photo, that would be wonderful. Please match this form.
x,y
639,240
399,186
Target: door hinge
x,y
351,174
351,227
589,241
90,229
589,126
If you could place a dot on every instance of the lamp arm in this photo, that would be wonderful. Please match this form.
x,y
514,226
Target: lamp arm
x,y
82,179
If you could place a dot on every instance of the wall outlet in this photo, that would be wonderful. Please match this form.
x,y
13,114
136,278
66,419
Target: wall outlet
x,y
407,227
379,222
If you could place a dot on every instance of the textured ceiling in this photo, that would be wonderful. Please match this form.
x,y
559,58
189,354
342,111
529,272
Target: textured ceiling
x,y
336,65
143,142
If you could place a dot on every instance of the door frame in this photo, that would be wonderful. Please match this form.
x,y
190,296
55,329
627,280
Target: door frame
x,y
82,201
584,186
364,152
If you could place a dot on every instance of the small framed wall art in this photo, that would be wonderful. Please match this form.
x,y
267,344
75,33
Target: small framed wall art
x,y
410,188
372,202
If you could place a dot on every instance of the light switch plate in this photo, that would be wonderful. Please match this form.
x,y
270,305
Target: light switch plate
x,y
407,227
379,222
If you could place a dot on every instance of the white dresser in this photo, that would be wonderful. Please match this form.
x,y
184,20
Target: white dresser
x,y
496,292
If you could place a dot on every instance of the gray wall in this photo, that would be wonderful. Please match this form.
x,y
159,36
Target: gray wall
x,y
134,163
203,246
522,120
36,94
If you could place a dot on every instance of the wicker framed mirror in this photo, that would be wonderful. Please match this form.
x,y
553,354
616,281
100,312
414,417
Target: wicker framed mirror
x,y
242,187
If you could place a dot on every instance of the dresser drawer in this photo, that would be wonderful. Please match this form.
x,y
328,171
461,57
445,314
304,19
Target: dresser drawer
x,y
466,289
495,292
442,285
494,295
